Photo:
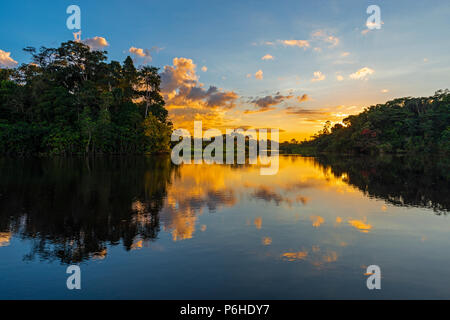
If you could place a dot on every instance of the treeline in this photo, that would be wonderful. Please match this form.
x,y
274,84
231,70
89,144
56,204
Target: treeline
x,y
422,180
69,100
404,125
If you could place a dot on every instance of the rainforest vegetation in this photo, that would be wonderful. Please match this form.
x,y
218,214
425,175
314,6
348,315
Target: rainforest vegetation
x,y
404,125
69,100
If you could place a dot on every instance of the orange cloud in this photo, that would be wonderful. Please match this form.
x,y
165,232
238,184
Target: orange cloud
x,y
96,43
6,60
259,75
296,43
141,53
187,99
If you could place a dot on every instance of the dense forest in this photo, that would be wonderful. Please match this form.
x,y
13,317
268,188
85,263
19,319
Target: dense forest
x,y
69,100
404,125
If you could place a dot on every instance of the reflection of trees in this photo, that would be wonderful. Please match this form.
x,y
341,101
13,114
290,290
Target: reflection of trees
x,y
404,181
72,208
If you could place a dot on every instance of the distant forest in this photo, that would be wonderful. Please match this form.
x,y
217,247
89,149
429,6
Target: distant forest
x,y
404,125
68,100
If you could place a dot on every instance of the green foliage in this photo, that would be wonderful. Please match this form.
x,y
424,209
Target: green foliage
x,y
69,100
399,126
157,134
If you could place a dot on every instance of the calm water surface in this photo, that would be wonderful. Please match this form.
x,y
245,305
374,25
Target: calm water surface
x,y
142,228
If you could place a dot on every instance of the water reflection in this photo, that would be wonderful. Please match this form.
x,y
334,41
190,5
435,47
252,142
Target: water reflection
x,y
404,181
73,210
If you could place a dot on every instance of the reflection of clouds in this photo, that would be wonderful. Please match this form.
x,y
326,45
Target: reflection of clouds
x,y
181,225
321,260
360,225
293,256
5,238
315,257
180,216
269,194
266,194
100,255
258,223
267,241
193,190
316,221
330,257
137,245
198,187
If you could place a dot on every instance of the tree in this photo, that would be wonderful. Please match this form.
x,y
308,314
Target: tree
x,y
397,126
69,100
157,134
149,90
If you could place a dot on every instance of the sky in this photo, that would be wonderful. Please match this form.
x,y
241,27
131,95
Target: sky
x,y
284,64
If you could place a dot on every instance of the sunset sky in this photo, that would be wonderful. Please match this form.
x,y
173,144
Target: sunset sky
x,y
290,65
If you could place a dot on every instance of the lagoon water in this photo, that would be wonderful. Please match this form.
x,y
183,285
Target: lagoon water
x,y
142,228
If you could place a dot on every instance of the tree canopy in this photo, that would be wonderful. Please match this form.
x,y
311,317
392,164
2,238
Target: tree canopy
x,y
398,126
69,100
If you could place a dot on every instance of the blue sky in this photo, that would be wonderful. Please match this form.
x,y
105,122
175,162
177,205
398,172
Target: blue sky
x,y
408,56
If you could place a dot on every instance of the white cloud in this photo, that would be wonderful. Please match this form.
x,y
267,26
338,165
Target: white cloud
x,y
204,69
384,91
318,76
96,43
362,73
267,57
6,60
339,78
